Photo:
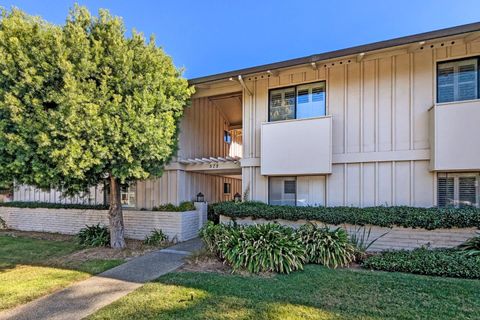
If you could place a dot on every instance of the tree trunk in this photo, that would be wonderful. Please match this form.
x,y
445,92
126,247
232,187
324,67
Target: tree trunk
x,y
115,215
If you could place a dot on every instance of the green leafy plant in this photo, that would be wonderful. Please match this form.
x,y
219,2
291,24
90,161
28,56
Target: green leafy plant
x,y
360,237
435,262
257,248
330,248
94,236
169,207
410,217
47,205
155,238
471,247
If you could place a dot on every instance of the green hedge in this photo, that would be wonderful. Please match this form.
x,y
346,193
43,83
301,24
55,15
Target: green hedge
x,y
436,262
169,207
427,218
47,205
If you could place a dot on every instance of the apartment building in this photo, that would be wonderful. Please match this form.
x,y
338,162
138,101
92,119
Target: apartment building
x,y
395,122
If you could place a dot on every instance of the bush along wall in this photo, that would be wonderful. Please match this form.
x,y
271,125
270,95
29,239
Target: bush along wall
x,y
48,205
409,217
436,262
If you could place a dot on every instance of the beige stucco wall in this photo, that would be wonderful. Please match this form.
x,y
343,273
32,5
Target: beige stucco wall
x,y
380,129
181,226
394,239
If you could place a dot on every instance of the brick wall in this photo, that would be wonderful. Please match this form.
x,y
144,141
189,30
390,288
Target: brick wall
x,y
395,238
138,224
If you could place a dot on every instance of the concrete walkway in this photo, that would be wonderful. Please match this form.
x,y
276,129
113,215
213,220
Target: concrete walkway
x,y
85,297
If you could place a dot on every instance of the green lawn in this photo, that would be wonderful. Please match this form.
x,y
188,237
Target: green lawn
x,y
316,293
30,268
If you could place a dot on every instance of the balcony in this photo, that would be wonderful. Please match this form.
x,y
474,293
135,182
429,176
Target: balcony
x,y
454,136
297,147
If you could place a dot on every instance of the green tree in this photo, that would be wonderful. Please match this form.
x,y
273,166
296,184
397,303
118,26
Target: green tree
x,y
82,102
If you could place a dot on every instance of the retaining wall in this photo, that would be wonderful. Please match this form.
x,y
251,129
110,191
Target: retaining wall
x,y
395,238
181,226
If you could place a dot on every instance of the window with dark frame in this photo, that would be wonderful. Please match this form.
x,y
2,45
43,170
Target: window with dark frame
x,y
298,102
227,188
458,80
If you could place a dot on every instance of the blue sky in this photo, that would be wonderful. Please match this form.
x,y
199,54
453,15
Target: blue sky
x,y
209,37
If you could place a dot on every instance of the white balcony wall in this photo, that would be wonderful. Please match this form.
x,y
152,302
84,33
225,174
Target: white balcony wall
x,y
455,134
297,147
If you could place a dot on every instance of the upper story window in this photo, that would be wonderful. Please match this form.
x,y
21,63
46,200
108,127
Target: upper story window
x,y
300,102
457,80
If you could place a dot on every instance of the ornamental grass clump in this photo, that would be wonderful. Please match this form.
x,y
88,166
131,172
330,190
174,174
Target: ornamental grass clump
x,y
325,246
257,248
94,236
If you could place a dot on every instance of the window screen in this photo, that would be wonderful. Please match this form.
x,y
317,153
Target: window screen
x,y
457,80
282,190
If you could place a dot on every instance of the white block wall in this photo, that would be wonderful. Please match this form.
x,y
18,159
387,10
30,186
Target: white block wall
x,y
396,237
181,226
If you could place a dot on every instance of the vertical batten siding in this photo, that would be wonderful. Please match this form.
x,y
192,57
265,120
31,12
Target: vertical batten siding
x,y
31,194
176,186
380,110
202,130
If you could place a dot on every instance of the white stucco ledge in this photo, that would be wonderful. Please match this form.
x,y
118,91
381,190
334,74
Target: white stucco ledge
x,y
179,226
396,238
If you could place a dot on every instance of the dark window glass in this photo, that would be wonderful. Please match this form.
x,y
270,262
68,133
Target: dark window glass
x,y
227,187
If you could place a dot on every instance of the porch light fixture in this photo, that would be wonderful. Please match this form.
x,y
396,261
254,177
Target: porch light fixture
x,y
200,197
237,197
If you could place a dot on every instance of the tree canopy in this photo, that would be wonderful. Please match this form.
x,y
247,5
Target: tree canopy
x,y
83,102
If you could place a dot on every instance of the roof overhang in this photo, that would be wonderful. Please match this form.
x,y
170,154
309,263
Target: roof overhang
x,y
357,50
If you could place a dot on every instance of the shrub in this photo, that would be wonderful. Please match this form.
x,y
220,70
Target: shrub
x,y
94,236
328,247
212,234
257,248
48,205
427,218
155,238
435,262
169,207
471,247
3,224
